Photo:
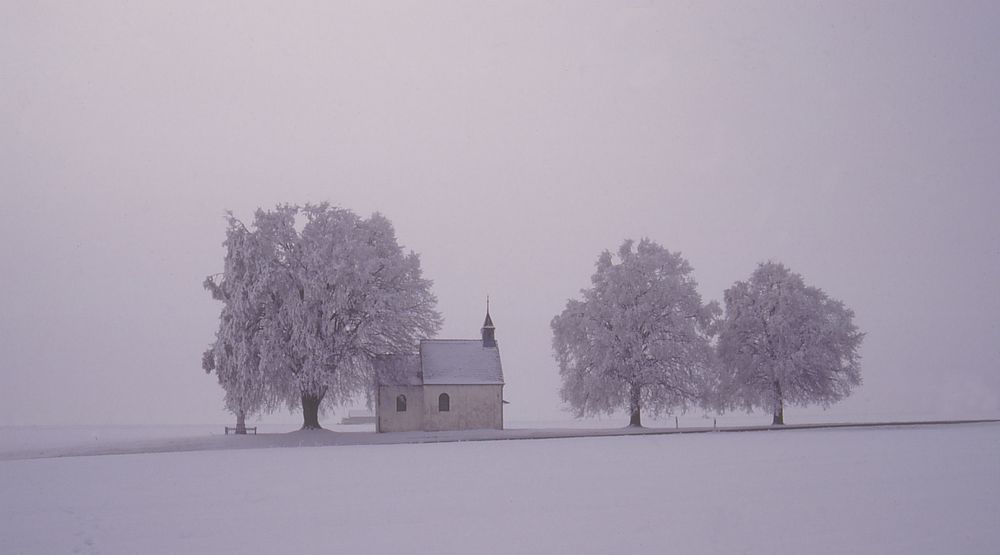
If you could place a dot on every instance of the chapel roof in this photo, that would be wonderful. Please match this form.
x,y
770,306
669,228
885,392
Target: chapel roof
x,y
459,362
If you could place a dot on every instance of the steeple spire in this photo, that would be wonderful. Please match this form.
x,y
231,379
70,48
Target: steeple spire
x,y
489,340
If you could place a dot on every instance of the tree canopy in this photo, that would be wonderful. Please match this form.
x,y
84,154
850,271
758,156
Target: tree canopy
x,y
313,296
639,339
785,342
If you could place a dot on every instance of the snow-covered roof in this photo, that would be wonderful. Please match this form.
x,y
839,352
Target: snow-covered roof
x,y
460,362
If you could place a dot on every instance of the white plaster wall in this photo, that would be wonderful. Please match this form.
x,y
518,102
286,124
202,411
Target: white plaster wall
x,y
388,420
472,407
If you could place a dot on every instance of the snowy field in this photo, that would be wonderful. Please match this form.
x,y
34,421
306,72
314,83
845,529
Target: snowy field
x,y
924,489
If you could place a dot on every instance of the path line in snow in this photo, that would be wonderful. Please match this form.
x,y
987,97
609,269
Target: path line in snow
x,y
325,438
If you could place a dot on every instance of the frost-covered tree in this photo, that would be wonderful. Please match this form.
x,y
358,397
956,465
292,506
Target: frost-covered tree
x,y
639,339
235,355
783,342
336,293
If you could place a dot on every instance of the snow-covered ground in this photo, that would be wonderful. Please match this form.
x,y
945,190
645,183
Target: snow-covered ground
x,y
924,489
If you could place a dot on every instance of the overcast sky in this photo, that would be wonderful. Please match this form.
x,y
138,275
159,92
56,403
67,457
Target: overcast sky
x,y
510,143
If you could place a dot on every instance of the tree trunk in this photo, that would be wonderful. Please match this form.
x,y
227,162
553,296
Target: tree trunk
x,y
241,422
635,421
779,406
310,412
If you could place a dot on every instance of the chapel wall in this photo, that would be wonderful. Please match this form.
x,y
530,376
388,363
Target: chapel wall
x,y
472,407
389,419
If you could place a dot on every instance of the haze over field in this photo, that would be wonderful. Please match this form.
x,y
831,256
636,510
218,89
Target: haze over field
x,y
509,143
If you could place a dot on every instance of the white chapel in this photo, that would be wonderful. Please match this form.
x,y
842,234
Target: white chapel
x,y
452,384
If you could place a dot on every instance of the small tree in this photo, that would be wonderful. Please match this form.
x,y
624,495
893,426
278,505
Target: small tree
x,y
785,342
235,355
639,339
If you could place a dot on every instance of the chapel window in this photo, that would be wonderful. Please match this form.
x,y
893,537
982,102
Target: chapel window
x,y
401,403
444,403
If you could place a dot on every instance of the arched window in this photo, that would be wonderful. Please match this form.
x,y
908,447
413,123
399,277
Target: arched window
x,y
401,403
444,403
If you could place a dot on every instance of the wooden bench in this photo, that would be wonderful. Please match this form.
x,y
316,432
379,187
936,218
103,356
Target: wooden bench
x,y
248,429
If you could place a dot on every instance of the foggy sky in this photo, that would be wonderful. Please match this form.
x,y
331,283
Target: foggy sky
x,y
509,143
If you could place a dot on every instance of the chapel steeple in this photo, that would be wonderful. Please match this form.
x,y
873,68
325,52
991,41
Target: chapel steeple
x,y
489,340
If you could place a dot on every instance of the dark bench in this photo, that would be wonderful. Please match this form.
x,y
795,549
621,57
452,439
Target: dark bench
x,y
248,430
